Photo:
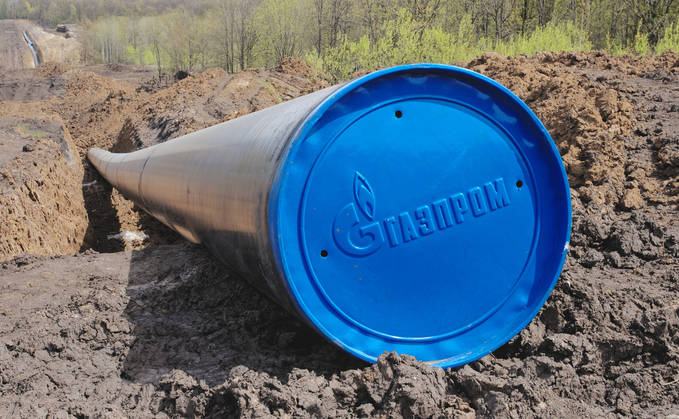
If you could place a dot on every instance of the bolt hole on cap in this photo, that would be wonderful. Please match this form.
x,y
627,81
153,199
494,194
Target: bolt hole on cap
x,y
426,248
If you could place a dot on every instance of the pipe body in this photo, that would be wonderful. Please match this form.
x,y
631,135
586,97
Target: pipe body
x,y
30,45
422,209
213,186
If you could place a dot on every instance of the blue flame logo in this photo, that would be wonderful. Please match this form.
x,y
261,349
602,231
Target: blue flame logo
x,y
347,224
364,196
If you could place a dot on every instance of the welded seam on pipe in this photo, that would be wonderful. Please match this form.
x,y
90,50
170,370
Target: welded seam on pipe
x,y
141,174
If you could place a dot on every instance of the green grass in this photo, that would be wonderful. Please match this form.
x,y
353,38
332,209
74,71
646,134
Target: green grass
x,y
25,132
268,86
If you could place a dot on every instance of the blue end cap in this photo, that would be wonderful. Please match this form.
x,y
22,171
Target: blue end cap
x,y
422,209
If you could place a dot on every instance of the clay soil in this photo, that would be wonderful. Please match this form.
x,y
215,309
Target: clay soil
x,y
14,51
93,326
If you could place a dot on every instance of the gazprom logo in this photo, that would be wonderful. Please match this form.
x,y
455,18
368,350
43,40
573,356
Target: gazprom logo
x,y
357,233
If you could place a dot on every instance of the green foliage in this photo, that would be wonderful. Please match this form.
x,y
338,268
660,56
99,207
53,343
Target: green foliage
x,y
147,57
316,64
140,55
109,38
403,43
29,11
652,15
670,40
341,37
641,44
268,86
282,33
557,38
613,48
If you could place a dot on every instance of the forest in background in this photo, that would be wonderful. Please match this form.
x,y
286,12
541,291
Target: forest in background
x,y
344,36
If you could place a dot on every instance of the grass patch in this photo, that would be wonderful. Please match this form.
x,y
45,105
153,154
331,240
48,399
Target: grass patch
x,y
24,132
268,86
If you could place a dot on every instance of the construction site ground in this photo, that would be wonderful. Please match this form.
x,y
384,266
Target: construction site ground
x,y
93,325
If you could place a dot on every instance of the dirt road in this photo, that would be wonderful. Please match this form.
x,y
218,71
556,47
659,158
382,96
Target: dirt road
x,y
14,52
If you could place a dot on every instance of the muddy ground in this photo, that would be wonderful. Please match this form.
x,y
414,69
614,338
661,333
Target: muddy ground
x,y
92,326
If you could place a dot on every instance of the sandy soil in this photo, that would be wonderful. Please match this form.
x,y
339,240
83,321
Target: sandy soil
x,y
52,46
14,52
158,328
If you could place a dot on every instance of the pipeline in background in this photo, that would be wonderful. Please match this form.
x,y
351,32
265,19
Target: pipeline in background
x,y
30,44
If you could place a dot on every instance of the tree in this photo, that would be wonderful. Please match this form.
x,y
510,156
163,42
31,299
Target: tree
x,y
498,11
110,39
318,12
653,15
246,34
72,13
226,15
181,46
154,34
133,32
282,28
338,13
545,9
53,14
205,42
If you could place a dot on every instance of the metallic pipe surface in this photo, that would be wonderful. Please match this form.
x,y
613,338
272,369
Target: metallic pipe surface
x,y
30,45
422,209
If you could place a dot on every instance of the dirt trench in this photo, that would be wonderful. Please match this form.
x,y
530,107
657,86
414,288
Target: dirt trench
x,y
14,51
158,328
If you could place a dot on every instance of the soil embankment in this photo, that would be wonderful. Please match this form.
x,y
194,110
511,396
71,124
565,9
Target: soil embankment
x,y
14,51
158,328
50,46
54,47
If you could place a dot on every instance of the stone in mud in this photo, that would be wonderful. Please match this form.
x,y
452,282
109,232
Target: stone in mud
x,y
632,200
592,258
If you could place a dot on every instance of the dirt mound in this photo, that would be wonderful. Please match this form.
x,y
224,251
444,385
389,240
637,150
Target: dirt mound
x,y
54,48
126,73
611,129
628,64
587,119
123,108
19,85
41,203
294,66
52,69
85,83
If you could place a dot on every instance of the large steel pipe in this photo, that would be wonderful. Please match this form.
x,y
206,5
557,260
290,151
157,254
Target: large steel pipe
x,y
422,209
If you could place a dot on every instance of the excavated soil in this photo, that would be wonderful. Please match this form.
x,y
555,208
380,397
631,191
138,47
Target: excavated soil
x,y
14,50
99,327
52,46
